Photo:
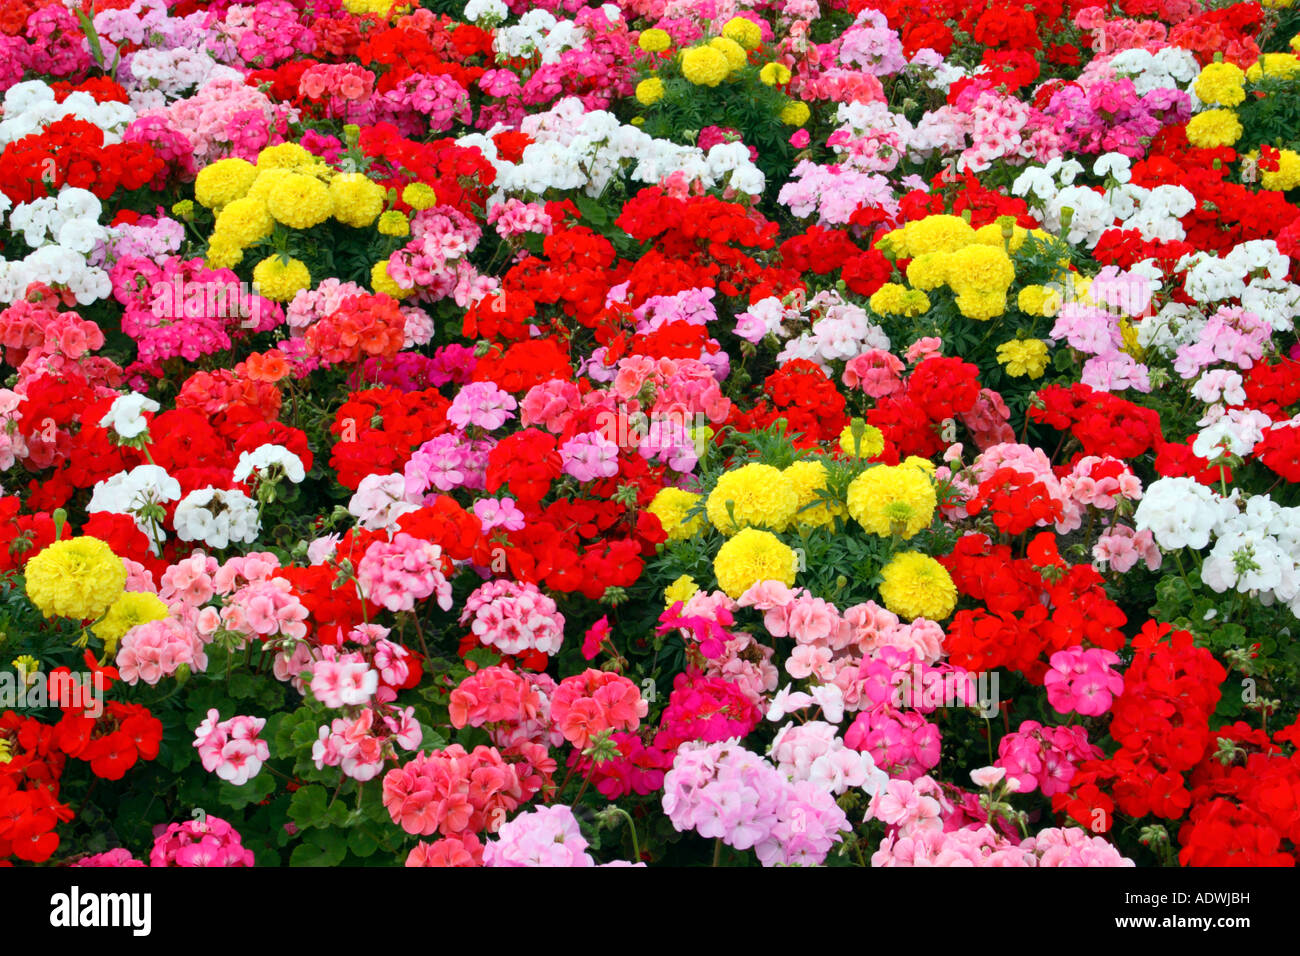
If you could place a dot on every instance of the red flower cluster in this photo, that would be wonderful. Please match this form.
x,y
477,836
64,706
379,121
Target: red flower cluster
x,y
71,152
379,428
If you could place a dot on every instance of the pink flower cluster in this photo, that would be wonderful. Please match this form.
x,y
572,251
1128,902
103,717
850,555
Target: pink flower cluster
x,y
231,748
212,842
397,573
1083,681
360,748
514,617
493,695
593,702
157,649
723,791
1043,758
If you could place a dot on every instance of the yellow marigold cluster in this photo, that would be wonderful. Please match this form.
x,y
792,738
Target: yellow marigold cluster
x,y
223,182
419,196
78,578
774,74
357,199
704,66
812,509
752,556
869,444
931,234
671,506
753,494
744,31
280,279
1214,128
894,299
650,91
733,51
300,201
892,498
1287,174
796,113
1222,84
394,223
1039,300
654,40
991,235
129,610
1022,357
378,7
980,276
683,589
1281,65
916,585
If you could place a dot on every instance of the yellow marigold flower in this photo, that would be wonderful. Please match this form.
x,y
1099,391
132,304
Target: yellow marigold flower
x,y
683,589
1282,65
1295,43
637,121
807,478
752,556
77,578
928,271
223,182
27,667
279,280
980,269
670,506
267,179
982,306
379,7
925,464
754,494
357,199
129,610
1221,83
935,234
869,444
394,223
384,284
1214,128
704,66
744,31
1287,174
733,51
419,196
894,299
654,40
886,498
300,202
1023,357
774,74
916,585
223,252
1031,299
991,235
650,91
284,156
244,222
1129,334
796,113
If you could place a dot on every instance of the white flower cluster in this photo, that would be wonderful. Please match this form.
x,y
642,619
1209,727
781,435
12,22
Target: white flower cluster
x,y
1255,546
264,457
126,417
490,11
1153,212
31,106
538,32
576,149
155,77
217,517
1171,67
1254,272
134,493
844,330
62,231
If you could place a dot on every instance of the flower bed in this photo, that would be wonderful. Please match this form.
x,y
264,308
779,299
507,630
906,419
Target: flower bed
x,y
669,432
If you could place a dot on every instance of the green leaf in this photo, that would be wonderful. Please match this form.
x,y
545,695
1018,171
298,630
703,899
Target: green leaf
x,y
255,791
322,848
307,808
